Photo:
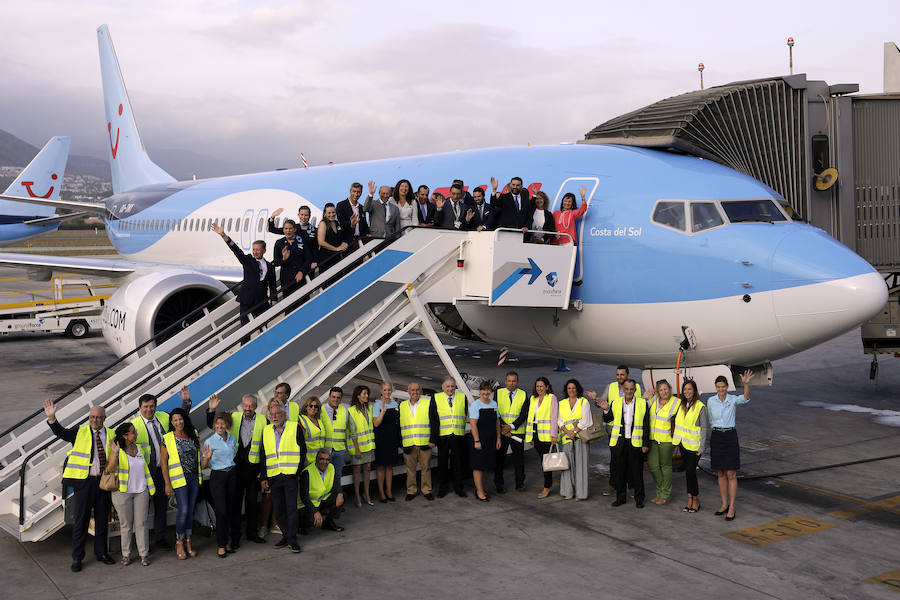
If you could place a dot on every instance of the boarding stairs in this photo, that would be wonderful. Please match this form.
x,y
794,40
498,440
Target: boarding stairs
x,y
337,320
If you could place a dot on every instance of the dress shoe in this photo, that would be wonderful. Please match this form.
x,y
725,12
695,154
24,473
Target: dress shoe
x,y
106,559
639,504
410,497
330,525
618,502
441,493
296,549
256,540
282,543
76,566
429,496
501,489
461,493
163,545
235,544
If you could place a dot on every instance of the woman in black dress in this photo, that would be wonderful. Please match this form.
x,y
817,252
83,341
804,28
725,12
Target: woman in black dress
x,y
485,437
330,237
386,415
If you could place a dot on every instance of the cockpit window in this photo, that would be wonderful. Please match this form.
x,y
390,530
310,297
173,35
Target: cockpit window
x,y
752,211
670,214
704,215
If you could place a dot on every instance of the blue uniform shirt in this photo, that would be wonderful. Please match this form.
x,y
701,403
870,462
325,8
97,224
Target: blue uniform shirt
x,y
376,406
476,407
721,413
223,451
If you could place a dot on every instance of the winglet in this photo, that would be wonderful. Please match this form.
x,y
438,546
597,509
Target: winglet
x,y
131,166
42,178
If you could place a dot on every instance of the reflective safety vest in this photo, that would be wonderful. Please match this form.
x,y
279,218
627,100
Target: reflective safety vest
x,y
143,436
687,427
453,420
338,440
661,419
176,473
123,469
637,431
365,433
259,424
315,436
285,458
78,461
510,409
614,393
415,430
570,417
319,487
542,416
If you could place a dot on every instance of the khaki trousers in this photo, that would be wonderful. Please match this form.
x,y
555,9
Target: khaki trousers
x,y
418,458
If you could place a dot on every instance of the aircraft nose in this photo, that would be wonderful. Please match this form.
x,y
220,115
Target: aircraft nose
x,y
822,288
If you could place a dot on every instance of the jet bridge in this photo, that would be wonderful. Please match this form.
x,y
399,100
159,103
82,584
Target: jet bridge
x,y
331,324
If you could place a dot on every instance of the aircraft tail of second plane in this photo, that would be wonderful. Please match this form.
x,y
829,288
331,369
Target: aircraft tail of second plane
x,y
42,178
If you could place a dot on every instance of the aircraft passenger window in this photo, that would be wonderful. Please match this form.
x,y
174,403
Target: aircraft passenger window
x,y
246,224
262,223
670,214
229,224
704,215
752,211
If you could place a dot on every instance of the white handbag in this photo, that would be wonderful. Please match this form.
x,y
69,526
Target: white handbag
x,y
555,459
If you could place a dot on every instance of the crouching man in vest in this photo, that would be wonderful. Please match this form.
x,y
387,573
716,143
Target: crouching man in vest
x,y
419,429
284,452
630,426
321,494
91,445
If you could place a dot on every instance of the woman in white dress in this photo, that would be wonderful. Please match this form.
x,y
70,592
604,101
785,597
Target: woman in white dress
x,y
403,196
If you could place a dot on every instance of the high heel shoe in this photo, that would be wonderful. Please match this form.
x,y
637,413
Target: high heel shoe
x,y
188,549
719,513
369,502
731,518
179,550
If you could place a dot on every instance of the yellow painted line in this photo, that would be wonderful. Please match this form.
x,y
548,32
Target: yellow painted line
x,y
886,505
890,579
778,531
13,279
51,303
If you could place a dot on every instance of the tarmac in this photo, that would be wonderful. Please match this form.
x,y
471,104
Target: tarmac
x,y
805,528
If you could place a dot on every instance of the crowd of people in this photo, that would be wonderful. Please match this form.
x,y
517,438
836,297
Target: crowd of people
x,y
289,460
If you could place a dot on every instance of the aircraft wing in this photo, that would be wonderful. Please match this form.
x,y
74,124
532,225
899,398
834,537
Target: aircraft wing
x,y
108,267
56,218
91,207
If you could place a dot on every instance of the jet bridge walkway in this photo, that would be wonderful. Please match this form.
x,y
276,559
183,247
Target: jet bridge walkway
x,y
332,323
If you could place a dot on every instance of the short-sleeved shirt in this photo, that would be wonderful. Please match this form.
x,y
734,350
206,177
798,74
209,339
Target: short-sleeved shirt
x,y
223,451
721,413
476,407
376,407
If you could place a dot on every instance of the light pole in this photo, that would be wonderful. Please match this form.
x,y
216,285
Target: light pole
x,y
790,43
700,68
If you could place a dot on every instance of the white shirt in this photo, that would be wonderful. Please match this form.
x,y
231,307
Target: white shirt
x,y
152,437
262,269
413,407
628,417
408,215
538,220
518,202
137,483
387,210
95,466
355,209
247,430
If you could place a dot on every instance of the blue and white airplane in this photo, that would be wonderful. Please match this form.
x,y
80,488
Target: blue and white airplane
x,y
668,242
41,179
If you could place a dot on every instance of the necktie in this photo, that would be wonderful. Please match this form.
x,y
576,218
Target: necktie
x,y
518,206
424,212
101,452
154,459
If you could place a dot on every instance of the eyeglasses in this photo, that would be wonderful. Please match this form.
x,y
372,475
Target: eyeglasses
x,y
315,406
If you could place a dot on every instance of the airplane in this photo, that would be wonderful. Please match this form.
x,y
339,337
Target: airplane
x,y
671,246
41,179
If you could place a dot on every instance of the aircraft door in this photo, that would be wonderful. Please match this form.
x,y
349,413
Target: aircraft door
x,y
246,232
573,185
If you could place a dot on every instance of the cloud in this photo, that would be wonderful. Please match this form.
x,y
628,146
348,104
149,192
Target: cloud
x,y
261,27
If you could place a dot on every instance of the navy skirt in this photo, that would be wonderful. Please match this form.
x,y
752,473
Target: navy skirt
x,y
724,451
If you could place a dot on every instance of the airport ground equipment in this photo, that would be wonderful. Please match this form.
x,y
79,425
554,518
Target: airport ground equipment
x,y
74,314
831,153
380,292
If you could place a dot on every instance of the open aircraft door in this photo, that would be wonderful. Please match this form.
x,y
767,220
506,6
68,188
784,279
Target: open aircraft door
x,y
573,184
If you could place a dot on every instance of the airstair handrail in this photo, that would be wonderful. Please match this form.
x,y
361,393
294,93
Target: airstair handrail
x,y
539,231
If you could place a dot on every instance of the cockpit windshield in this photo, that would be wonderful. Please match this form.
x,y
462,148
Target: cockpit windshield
x,y
752,211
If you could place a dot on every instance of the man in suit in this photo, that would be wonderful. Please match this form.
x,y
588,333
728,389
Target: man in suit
x,y
482,214
92,444
453,214
294,257
628,442
384,214
511,208
305,231
259,278
352,217
424,207
467,198
247,427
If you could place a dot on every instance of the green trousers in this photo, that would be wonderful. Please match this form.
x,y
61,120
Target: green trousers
x,y
660,459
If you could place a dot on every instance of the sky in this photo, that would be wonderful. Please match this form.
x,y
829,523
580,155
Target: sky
x,y
254,84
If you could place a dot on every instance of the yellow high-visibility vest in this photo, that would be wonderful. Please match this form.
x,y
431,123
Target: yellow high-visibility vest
x,y
571,417
122,470
143,436
613,392
365,432
319,487
283,459
338,439
315,435
415,430
687,427
453,420
542,416
176,473
510,409
637,430
259,424
78,461
661,419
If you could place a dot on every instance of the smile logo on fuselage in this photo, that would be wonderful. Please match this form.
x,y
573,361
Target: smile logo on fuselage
x,y
27,185
113,148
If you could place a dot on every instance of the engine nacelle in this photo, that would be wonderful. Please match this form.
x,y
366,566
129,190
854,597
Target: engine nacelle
x,y
150,303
